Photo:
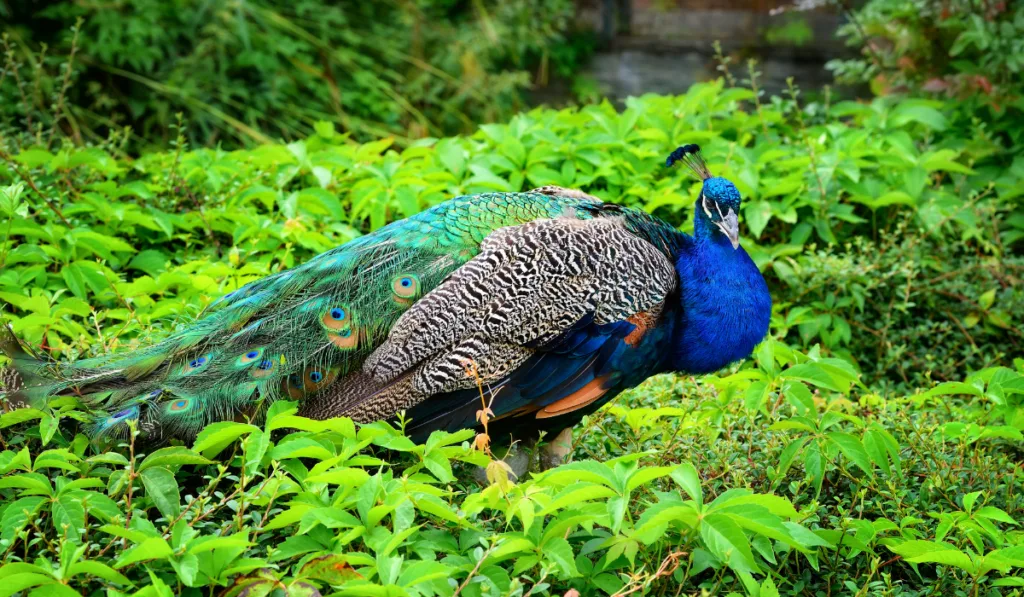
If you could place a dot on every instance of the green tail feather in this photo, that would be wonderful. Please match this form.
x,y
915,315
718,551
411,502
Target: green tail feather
x,y
287,335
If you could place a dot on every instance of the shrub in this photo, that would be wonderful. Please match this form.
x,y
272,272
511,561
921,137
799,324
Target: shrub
x,y
245,72
968,49
832,501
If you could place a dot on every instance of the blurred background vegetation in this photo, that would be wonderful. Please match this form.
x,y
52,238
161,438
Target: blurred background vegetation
x,y
248,71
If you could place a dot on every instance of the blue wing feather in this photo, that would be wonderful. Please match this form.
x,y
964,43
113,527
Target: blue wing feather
x,y
561,367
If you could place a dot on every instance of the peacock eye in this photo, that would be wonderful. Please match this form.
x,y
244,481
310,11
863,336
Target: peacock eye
x,y
405,286
155,393
196,363
124,413
265,364
249,357
179,405
335,317
315,376
345,333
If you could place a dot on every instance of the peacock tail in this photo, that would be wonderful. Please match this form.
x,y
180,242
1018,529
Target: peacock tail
x,y
305,333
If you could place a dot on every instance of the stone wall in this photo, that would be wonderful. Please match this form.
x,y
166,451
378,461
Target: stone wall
x,y
696,24
667,45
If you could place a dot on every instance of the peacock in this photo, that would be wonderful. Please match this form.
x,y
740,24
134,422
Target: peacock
x,y
549,302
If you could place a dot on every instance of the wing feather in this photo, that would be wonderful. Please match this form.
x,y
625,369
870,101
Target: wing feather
x,y
532,288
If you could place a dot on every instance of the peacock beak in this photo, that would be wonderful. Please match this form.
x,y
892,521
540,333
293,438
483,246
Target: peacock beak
x,y
730,226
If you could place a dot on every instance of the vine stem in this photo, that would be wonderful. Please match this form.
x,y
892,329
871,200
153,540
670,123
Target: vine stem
x,y
28,180
473,572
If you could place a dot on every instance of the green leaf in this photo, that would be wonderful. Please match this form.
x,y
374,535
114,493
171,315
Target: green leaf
x,y
437,464
559,551
15,583
577,494
162,488
687,478
99,570
768,589
970,499
852,448
993,513
68,516
909,111
725,539
172,456
644,475
255,447
419,572
757,214
736,498
920,552
209,543
301,447
19,415
17,514
47,428
821,374
31,483
814,464
151,549
875,447
346,476
217,436
150,261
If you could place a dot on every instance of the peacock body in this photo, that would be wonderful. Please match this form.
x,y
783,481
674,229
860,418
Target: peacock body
x,y
551,301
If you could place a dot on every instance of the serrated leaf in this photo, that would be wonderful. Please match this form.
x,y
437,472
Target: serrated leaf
x,y
687,478
560,553
217,436
68,516
726,540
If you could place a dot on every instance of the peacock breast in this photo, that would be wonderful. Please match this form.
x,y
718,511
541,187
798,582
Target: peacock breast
x,y
725,308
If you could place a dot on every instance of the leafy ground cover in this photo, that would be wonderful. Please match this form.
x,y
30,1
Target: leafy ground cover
x,y
871,447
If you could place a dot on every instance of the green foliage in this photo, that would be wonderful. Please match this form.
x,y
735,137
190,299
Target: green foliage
x,y
246,72
971,49
665,497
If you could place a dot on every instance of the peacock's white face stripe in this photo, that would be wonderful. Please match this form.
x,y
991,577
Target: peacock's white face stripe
x,y
704,204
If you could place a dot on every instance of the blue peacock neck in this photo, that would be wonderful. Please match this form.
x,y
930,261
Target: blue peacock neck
x,y
724,305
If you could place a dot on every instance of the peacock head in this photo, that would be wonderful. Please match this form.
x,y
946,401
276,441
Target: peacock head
x,y
719,202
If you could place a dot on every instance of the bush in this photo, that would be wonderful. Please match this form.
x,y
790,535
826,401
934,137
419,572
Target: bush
x,y
908,310
969,49
248,71
833,500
